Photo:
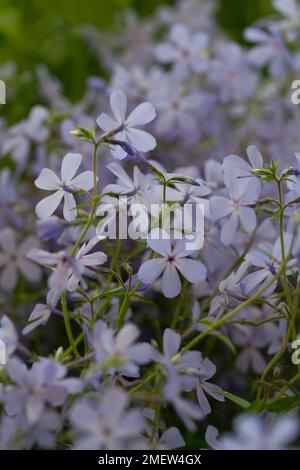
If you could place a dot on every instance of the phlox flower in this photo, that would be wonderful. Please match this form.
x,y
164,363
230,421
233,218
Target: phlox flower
x,y
64,187
170,438
13,258
138,82
187,410
41,313
190,372
140,189
119,353
107,425
9,335
242,194
291,12
293,182
232,73
171,260
85,258
69,270
126,130
178,111
243,169
8,196
268,258
251,339
253,432
33,129
44,383
270,50
229,288
188,51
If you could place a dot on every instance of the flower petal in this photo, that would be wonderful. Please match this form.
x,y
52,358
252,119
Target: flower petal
x,y
170,283
142,114
219,207
141,140
228,229
70,210
118,103
194,271
47,179
9,277
255,157
159,241
69,166
151,270
247,218
83,181
45,208
106,122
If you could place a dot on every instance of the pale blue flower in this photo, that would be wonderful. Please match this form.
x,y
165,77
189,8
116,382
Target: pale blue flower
x,y
242,194
64,187
127,130
108,425
252,432
171,261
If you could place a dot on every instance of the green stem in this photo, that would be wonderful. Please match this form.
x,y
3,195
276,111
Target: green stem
x,y
141,385
224,319
282,349
123,310
179,305
281,235
285,388
94,205
68,326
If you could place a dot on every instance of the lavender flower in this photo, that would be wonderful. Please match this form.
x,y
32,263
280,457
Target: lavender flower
x,y
119,353
107,426
9,335
44,383
64,187
188,373
186,50
41,313
171,261
241,195
127,130
254,433
268,258
13,258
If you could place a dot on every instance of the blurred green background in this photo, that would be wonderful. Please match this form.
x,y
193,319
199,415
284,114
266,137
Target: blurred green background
x,y
41,31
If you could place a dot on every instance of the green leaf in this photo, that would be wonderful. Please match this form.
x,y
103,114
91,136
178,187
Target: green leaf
x,y
219,335
227,341
140,298
285,404
235,399
257,406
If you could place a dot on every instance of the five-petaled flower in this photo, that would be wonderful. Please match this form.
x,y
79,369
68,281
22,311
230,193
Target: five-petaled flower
x,y
172,260
125,130
64,187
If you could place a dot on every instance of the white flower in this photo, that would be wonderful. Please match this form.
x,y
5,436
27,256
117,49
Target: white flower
x,y
126,130
171,261
63,187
